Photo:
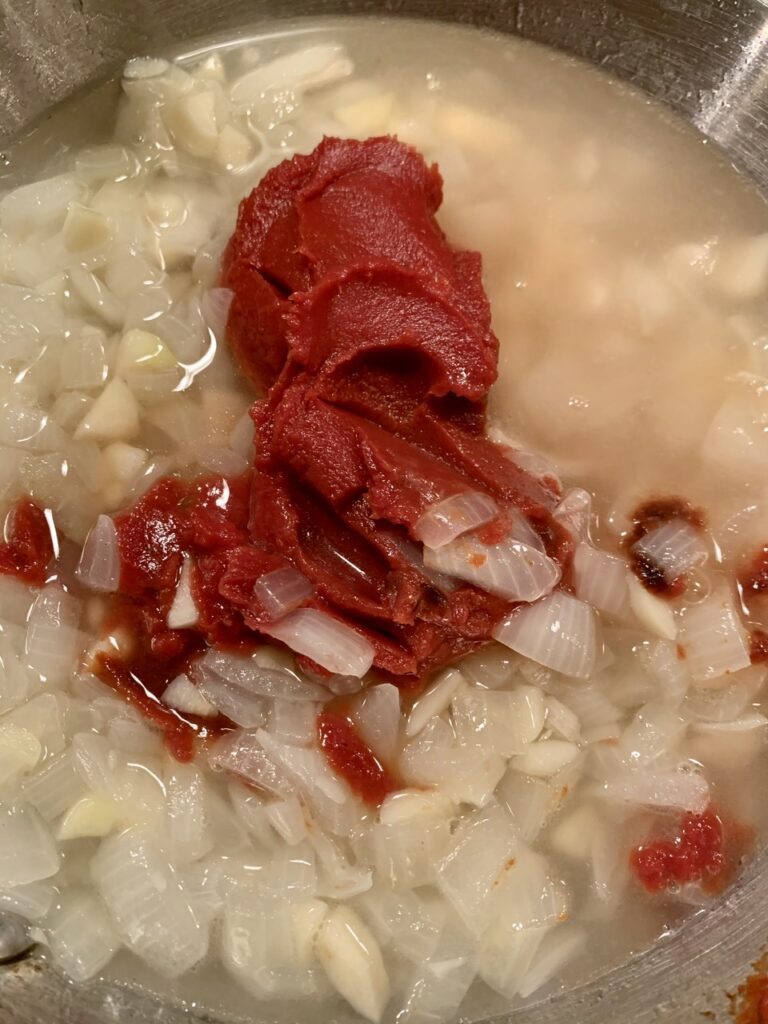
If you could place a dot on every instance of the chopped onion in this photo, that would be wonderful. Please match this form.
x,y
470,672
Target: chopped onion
x,y
600,579
469,874
559,947
652,612
325,639
295,721
99,566
674,548
183,613
240,705
147,902
81,935
287,819
308,768
52,637
446,520
182,695
27,849
546,758
434,700
680,787
241,753
376,713
305,69
31,901
282,591
250,674
714,638
511,569
499,721
522,530
528,800
575,512
215,305
558,632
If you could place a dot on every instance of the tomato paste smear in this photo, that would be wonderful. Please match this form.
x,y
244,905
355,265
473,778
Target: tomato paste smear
x,y
353,759
649,516
368,340
695,854
27,550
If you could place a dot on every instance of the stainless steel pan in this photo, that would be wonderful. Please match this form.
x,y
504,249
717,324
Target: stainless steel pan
x,y
708,60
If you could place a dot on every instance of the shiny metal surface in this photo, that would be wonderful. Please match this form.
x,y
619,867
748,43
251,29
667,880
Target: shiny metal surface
x,y
708,60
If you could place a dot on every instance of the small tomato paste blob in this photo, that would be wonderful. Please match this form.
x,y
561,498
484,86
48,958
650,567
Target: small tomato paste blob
x,y
649,516
367,337
27,550
353,759
695,854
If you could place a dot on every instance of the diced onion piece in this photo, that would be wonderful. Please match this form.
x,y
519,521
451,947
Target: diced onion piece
x,y
376,713
20,751
84,229
148,903
325,639
238,704
253,675
114,416
511,569
653,612
522,530
307,767
748,722
558,632
99,565
52,636
546,758
558,948
215,305
674,548
192,121
241,753
352,959
446,520
499,721
434,700
714,638
139,68
184,696
680,787
575,512
183,613
81,936
600,579
27,850
287,819
482,847
305,69
282,591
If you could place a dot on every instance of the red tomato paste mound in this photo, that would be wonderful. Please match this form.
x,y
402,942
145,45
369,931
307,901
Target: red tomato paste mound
x,y
366,336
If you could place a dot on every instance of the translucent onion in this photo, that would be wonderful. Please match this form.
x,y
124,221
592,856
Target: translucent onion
x,y
52,636
238,704
282,591
99,565
184,696
675,547
253,676
325,639
241,753
600,579
183,613
81,935
376,713
27,850
215,305
714,638
512,570
575,512
434,700
308,768
446,520
558,631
